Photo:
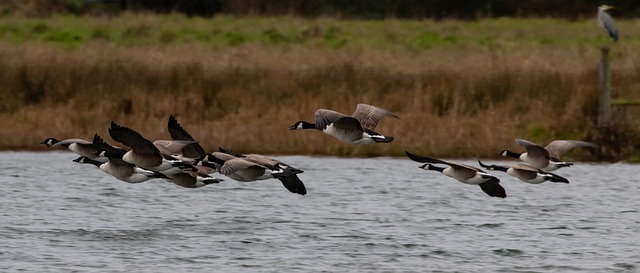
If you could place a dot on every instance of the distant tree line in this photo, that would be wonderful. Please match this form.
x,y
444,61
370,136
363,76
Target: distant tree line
x,y
361,9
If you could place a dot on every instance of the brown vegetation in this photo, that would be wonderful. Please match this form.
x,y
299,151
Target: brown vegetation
x,y
459,102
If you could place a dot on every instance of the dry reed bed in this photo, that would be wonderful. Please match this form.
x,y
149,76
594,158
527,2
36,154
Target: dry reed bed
x,y
457,102
451,104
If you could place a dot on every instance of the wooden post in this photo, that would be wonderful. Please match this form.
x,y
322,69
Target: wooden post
x,y
604,107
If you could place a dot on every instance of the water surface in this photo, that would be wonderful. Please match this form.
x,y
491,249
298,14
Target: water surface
x,y
361,215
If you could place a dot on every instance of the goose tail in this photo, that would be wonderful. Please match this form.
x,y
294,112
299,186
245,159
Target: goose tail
x,y
158,175
211,180
382,139
558,179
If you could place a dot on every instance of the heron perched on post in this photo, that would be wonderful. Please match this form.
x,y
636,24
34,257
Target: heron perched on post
x,y
606,22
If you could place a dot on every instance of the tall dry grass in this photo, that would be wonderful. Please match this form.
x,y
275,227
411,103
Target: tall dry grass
x,y
458,101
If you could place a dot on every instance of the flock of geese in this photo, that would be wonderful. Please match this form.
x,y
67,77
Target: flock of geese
x,y
182,161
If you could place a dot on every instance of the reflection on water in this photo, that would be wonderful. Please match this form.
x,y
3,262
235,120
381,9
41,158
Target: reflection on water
x,y
360,215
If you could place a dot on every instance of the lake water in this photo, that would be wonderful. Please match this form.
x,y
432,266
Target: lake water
x,y
361,215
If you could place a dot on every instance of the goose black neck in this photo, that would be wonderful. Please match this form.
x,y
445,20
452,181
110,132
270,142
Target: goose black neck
x,y
436,168
208,164
432,167
307,125
52,140
214,159
498,168
87,160
557,178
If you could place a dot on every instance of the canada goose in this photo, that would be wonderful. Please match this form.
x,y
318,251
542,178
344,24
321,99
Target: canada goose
x,y
247,170
121,170
526,173
79,146
261,159
289,179
242,170
187,179
192,150
115,166
355,129
463,173
546,158
220,159
144,153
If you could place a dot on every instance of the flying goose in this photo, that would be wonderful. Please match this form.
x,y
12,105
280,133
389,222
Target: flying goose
x,y
186,178
355,129
526,173
115,166
144,153
192,150
121,170
463,173
546,158
291,181
261,159
79,146
216,164
240,169
248,170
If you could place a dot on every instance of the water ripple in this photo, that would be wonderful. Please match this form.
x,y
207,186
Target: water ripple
x,y
361,215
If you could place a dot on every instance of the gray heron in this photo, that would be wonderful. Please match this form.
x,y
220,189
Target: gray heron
x,y
606,22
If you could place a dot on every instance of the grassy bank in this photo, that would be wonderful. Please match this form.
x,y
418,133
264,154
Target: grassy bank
x,y
462,89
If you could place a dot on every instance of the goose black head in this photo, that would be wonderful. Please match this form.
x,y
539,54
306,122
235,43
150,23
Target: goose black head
x,y
50,141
